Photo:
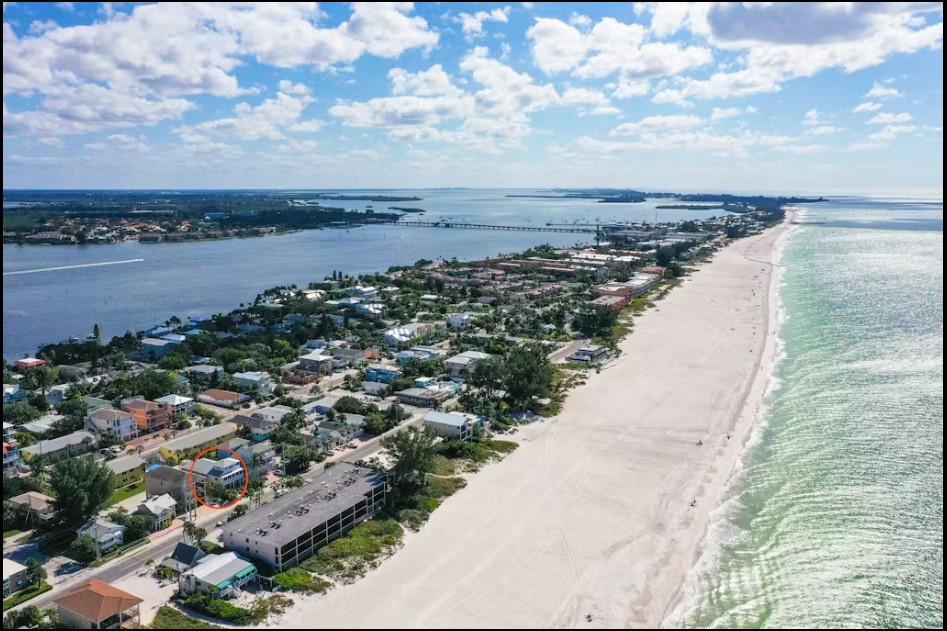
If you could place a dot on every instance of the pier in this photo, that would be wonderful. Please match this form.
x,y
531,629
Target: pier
x,y
482,226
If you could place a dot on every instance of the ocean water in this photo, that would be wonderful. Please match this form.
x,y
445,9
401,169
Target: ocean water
x,y
188,279
836,516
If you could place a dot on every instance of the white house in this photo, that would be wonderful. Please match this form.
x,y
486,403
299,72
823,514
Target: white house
x,y
401,335
255,380
452,425
161,509
227,472
111,424
57,394
459,320
464,363
106,534
178,406
219,575
274,413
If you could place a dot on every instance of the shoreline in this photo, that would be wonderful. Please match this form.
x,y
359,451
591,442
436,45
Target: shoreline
x,y
599,520
750,417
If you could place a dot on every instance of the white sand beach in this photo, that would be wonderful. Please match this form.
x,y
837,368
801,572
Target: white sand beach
x,y
592,515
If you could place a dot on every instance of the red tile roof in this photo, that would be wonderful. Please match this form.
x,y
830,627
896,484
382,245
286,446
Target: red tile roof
x,y
96,601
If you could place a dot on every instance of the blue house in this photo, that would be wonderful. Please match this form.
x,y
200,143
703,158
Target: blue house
x,y
382,374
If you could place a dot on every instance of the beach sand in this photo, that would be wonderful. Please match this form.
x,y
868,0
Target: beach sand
x,y
592,515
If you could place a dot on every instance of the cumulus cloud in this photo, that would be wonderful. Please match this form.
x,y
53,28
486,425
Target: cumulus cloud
x,y
679,121
431,82
879,91
472,23
822,130
722,113
867,106
269,120
886,118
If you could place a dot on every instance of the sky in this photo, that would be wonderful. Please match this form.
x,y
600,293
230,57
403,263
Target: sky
x,y
807,98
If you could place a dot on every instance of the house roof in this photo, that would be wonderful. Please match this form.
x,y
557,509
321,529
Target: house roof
x,y
58,444
201,436
174,399
216,569
33,500
253,422
187,554
98,527
11,567
222,395
96,601
159,504
167,474
108,414
125,463
447,418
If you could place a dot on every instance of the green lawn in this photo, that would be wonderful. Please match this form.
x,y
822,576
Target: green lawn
x,y
119,495
170,618
26,594
10,533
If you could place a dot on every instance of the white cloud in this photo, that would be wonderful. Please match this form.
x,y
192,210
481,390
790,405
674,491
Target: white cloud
x,y
890,132
671,97
678,121
66,6
119,142
580,20
867,106
822,130
472,23
268,120
812,117
51,141
630,88
431,82
885,118
722,113
608,48
879,91
309,126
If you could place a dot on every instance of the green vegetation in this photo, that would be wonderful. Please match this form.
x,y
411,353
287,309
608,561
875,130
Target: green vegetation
x,y
123,493
476,452
524,374
360,550
82,486
299,580
170,618
25,595
209,547
224,610
31,617
412,453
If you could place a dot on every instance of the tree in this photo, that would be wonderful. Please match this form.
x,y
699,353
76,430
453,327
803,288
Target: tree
x,y
595,321
193,532
664,256
96,332
348,405
41,378
35,572
412,455
20,412
81,486
527,374
85,548
296,458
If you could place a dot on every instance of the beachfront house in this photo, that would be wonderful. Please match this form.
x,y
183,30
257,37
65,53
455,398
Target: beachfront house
x,y
452,425
218,575
98,605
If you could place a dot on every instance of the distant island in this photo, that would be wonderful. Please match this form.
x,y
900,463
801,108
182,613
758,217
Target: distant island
x,y
362,198
730,203
80,217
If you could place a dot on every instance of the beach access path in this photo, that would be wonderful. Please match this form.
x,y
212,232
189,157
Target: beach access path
x,y
593,514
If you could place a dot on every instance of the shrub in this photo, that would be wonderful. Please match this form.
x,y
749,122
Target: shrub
x,y
439,487
358,551
412,518
299,580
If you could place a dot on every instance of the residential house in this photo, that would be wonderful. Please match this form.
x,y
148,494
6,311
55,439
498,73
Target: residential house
x,y
204,373
111,425
219,575
104,533
316,361
382,373
178,406
162,510
464,363
274,413
421,353
13,393
227,472
126,470
292,373
57,394
404,334
150,416
39,507
459,320
40,426
345,357
260,382
223,398
183,557
615,303
321,406
98,605
452,425
592,354
152,349
259,428
422,397
293,527
25,364
11,450
193,443
95,403
162,479
14,577
69,445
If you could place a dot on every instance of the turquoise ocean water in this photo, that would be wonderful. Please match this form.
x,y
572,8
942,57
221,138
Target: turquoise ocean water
x,y
836,516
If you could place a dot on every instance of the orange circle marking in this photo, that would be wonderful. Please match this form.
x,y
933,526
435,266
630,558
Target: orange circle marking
x,y
246,477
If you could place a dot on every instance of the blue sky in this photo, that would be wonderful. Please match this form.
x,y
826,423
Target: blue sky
x,y
804,97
